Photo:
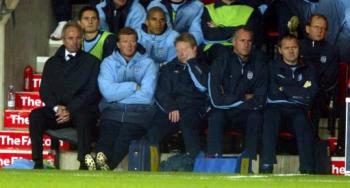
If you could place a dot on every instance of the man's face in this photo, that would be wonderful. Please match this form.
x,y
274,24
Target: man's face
x,y
242,43
184,51
317,29
72,39
127,45
156,23
289,50
89,22
119,3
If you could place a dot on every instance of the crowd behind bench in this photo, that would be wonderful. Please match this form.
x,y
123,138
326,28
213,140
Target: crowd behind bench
x,y
148,71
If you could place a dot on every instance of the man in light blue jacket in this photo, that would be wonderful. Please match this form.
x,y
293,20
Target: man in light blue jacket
x,y
127,82
182,15
156,37
116,14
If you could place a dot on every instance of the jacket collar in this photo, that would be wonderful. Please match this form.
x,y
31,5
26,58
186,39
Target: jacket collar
x,y
284,65
160,37
313,43
61,52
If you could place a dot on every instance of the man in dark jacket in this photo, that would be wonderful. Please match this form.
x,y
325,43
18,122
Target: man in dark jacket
x,y
181,95
292,88
237,87
69,91
316,51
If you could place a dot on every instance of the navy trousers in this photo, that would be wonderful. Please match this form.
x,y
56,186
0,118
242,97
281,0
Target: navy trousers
x,y
297,121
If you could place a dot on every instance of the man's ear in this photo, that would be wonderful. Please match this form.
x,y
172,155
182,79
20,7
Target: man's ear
x,y
279,50
307,29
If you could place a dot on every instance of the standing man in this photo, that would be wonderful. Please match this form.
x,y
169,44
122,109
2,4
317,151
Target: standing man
x,y
237,88
69,91
127,82
181,96
315,50
292,88
157,37
98,43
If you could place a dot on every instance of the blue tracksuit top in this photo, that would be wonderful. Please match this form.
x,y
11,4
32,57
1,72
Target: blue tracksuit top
x,y
187,19
118,79
134,19
159,47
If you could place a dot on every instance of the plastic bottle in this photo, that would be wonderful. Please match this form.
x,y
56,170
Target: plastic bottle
x,y
11,97
28,78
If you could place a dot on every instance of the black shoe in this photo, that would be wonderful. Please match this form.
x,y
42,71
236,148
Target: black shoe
x,y
83,166
38,165
266,169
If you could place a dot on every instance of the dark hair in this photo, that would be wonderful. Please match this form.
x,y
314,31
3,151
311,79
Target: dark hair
x,y
126,31
186,37
152,10
244,28
88,8
72,24
317,15
288,37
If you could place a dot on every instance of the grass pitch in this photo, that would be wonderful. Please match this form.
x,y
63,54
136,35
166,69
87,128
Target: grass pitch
x,y
85,179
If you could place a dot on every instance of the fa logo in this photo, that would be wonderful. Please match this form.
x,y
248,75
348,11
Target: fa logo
x,y
250,75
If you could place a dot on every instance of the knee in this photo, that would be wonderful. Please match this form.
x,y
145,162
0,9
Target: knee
x,y
300,119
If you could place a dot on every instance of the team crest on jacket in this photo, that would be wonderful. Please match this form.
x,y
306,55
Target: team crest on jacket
x,y
250,75
323,59
300,77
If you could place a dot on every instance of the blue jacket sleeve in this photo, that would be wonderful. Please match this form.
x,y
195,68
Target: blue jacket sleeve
x,y
111,90
136,16
195,28
199,74
145,94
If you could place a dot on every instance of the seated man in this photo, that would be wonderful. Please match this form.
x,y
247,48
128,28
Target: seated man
x,y
116,14
292,88
237,87
182,15
127,82
156,37
315,50
69,91
98,43
181,96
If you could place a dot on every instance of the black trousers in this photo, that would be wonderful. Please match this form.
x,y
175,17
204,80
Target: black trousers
x,y
298,123
188,124
115,138
42,119
248,121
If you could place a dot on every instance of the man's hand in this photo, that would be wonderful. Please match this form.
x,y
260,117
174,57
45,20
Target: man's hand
x,y
62,114
211,24
174,116
248,96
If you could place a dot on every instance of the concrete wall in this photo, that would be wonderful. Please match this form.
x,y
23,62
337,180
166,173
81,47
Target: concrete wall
x,y
22,38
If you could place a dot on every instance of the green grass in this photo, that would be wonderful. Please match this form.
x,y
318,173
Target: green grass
x,y
85,179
